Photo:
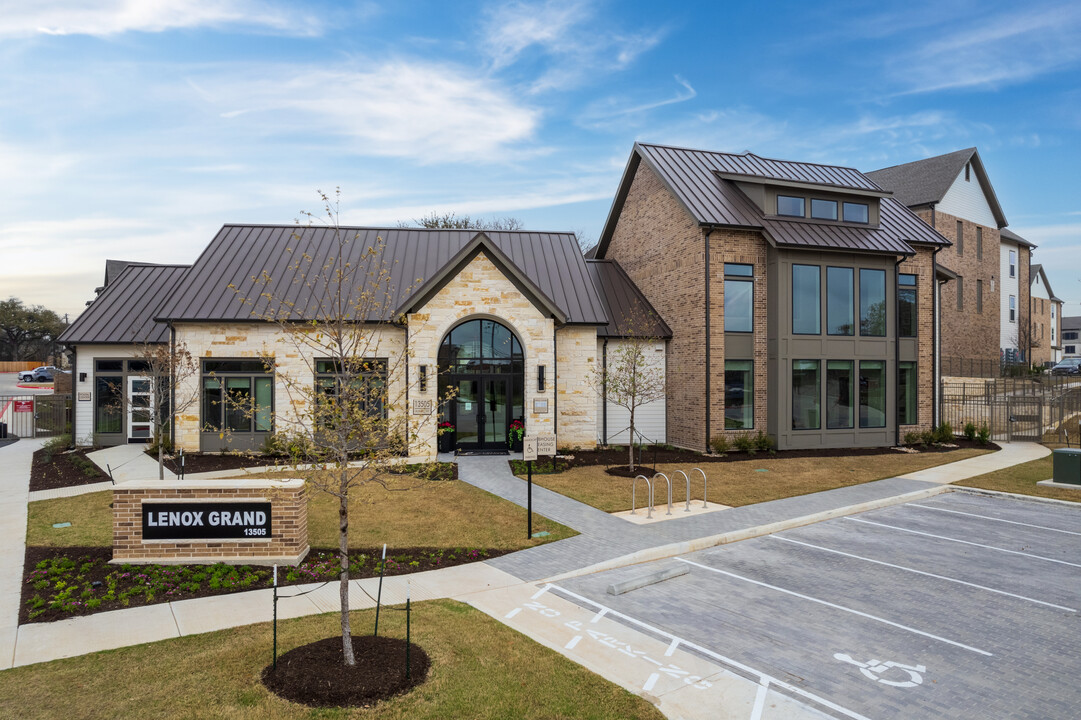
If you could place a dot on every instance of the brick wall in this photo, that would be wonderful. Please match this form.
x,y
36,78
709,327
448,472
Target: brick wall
x,y
288,543
922,266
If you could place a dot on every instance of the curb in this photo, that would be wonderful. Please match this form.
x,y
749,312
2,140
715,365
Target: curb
x,y
662,552
1015,496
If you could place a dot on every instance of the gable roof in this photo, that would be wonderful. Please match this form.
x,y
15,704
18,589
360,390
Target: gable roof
x,y
629,312
124,311
926,182
1036,270
1011,235
227,282
704,182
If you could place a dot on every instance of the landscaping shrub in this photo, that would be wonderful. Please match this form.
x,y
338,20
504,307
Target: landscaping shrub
x,y
764,442
719,443
927,437
944,433
55,445
984,435
745,443
164,441
913,438
970,431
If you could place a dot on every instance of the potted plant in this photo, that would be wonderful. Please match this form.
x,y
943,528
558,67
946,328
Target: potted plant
x,y
445,433
515,435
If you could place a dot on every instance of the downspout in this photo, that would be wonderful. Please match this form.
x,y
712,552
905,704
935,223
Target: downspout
x,y
897,351
935,375
555,381
604,392
705,234
172,386
74,397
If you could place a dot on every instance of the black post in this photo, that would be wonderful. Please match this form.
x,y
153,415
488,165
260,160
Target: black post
x,y
275,618
407,641
379,594
529,500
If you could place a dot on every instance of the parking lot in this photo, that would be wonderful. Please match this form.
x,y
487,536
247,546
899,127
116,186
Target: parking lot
x,y
958,606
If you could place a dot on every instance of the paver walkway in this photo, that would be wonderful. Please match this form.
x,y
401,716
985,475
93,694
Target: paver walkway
x,y
128,462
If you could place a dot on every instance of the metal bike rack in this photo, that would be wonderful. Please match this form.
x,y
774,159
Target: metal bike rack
x,y
649,507
704,484
688,508
660,474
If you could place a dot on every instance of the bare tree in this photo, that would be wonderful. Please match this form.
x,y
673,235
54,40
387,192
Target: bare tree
x,y
631,377
352,420
453,221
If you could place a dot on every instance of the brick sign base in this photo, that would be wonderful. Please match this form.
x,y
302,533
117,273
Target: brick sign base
x,y
208,521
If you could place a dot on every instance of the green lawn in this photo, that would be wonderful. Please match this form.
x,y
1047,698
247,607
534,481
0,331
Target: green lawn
x,y
1022,479
407,513
745,481
480,669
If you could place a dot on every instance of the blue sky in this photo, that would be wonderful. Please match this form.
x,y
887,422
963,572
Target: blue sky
x,y
135,128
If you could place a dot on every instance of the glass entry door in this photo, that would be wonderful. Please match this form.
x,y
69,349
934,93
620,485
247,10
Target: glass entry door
x,y
482,413
140,407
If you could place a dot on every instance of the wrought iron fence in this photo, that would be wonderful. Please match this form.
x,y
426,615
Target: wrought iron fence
x,y
29,416
982,368
1012,408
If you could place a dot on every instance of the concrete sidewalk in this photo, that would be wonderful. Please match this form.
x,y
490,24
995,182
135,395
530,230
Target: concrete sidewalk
x,y
15,459
1011,454
128,462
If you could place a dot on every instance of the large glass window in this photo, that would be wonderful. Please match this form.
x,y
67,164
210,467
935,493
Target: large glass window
x,y
824,209
738,394
791,206
738,297
856,212
108,403
872,302
806,300
872,394
361,387
806,395
237,397
839,406
840,301
480,346
906,305
906,396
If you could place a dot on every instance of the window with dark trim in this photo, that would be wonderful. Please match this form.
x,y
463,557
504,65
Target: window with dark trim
x,y
738,394
823,209
806,395
907,404
791,206
839,405
806,300
960,238
840,301
960,293
856,213
237,396
361,384
872,393
906,305
738,297
872,302
979,243
979,296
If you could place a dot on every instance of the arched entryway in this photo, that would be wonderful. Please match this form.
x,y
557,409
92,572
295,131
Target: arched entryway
x,y
481,363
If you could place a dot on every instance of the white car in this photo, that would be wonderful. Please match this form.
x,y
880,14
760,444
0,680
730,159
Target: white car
x,y
38,374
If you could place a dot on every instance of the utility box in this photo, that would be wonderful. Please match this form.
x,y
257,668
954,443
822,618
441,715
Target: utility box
x,y
1067,466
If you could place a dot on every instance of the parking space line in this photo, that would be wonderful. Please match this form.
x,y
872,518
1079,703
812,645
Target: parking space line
x,y
762,677
839,607
923,572
964,542
760,700
988,517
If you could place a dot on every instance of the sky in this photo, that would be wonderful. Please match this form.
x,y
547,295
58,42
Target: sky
x,y
134,129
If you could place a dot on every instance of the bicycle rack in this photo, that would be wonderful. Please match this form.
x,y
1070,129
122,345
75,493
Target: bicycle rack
x,y
649,485
704,485
669,490
688,508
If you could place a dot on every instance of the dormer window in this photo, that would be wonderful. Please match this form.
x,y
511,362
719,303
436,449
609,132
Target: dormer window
x,y
824,209
856,213
790,206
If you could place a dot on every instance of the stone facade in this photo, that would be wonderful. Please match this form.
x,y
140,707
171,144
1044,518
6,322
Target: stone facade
x,y
288,543
576,396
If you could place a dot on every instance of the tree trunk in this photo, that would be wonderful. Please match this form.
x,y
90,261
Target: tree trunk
x,y
343,555
630,445
161,457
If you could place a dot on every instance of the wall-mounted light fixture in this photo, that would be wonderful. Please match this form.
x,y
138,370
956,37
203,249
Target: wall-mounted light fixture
x,y
82,377
540,378
423,378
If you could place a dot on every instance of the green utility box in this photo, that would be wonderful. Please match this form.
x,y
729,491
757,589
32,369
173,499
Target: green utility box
x,y
1067,466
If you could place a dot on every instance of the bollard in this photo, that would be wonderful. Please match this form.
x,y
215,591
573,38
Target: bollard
x,y
379,593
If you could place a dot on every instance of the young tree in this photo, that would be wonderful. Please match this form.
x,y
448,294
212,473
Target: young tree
x,y
352,420
452,221
631,377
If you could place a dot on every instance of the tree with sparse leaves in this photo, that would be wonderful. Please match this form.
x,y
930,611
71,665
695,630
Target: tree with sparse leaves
x,y
453,221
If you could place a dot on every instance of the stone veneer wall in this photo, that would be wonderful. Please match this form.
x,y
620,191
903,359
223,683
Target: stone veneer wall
x,y
294,376
288,543
576,397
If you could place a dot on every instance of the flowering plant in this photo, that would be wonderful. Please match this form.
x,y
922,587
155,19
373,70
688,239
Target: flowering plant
x,y
445,427
516,431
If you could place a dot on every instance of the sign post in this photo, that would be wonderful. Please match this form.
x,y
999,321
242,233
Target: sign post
x,y
529,454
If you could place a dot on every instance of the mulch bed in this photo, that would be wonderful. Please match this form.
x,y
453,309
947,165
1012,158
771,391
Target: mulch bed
x,y
616,458
67,468
173,582
217,462
315,675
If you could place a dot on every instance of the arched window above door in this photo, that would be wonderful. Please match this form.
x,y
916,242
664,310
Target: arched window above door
x,y
481,346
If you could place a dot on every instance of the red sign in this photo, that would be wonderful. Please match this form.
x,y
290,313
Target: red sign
x,y
24,405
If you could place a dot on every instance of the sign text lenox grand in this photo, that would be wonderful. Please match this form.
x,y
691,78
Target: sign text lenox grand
x,y
206,520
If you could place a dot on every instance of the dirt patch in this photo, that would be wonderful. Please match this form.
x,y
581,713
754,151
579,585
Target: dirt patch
x,y
68,468
90,584
315,675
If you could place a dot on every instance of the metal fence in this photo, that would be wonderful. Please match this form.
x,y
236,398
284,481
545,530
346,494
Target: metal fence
x,y
982,368
30,416
1012,408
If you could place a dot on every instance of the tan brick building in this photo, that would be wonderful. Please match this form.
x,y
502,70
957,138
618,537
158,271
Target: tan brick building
x,y
800,296
1045,336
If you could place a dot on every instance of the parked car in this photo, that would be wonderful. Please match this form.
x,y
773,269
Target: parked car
x,y
38,374
1069,366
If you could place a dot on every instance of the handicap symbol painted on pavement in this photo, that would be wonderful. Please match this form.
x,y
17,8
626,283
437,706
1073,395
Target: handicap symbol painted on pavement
x,y
874,670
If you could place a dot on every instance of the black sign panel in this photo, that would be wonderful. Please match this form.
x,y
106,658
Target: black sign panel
x,y
206,521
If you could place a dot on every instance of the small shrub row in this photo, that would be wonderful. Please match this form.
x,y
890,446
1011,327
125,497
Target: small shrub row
x,y
944,434
750,444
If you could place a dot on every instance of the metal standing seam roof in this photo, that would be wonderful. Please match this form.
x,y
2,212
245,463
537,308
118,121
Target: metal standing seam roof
x,y
124,311
630,313
693,176
224,283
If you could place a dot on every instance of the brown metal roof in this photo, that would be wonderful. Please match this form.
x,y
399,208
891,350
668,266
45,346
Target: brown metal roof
x,y
124,311
629,311
228,271
694,177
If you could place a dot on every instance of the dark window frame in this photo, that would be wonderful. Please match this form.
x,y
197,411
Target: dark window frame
x,y
866,209
903,287
885,308
903,406
802,201
222,372
852,304
368,369
960,237
733,273
882,369
792,286
824,201
818,393
748,391
979,243
851,368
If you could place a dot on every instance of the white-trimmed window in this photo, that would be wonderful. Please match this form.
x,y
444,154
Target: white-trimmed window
x,y
1013,308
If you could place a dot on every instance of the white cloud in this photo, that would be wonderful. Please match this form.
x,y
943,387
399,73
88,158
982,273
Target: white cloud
x,y
112,17
616,107
424,111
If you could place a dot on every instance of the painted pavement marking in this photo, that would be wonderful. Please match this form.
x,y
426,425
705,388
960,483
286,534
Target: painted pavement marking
x,y
874,670
988,517
923,572
963,542
762,677
572,643
839,607
512,613
760,700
